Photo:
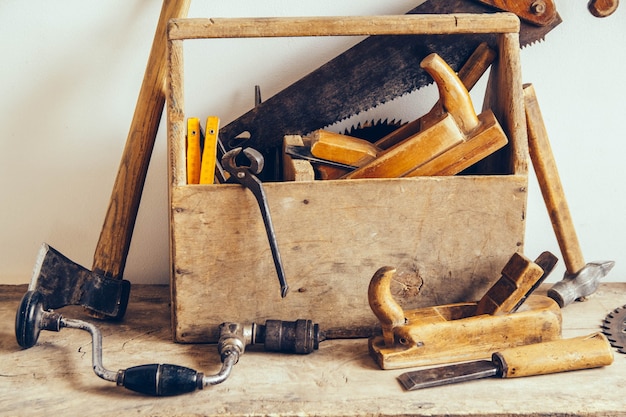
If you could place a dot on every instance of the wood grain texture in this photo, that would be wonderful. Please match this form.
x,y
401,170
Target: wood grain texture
x,y
342,26
296,169
550,184
449,236
119,222
55,377
454,337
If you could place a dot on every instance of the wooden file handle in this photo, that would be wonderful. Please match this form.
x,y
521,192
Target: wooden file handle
x,y
592,351
550,183
112,248
452,92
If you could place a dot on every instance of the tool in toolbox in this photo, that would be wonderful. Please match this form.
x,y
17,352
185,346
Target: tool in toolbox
x,y
614,327
463,156
592,351
300,336
247,176
580,279
464,331
372,72
195,139
458,125
209,153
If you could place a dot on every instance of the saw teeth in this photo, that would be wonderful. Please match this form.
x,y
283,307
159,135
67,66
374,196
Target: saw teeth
x,y
614,327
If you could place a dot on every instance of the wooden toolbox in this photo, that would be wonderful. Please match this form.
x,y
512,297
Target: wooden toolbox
x,y
449,237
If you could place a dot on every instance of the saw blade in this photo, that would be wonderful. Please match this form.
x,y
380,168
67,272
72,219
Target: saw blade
x,y
373,130
614,327
374,71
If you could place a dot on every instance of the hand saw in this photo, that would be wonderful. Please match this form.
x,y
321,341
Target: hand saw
x,y
374,71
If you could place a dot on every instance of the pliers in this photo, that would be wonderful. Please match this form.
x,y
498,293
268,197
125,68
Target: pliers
x,y
246,176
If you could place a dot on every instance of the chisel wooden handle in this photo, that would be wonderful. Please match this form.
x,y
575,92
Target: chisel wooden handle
x,y
592,351
550,183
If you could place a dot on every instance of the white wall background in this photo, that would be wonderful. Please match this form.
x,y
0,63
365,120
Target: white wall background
x,y
70,73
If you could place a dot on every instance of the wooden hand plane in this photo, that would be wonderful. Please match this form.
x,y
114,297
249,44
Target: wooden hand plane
x,y
475,136
463,331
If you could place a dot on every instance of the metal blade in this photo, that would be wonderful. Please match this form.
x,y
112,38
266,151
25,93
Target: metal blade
x,y
374,71
304,152
450,374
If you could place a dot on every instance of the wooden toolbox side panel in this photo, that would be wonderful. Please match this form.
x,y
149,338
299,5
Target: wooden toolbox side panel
x,y
449,237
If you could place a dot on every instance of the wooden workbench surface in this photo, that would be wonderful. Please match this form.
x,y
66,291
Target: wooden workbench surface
x,y
55,378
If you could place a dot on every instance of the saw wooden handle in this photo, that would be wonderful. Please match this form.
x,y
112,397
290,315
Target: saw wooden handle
x,y
550,183
112,248
592,351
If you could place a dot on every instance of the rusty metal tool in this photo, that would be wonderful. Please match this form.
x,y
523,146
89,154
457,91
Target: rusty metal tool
x,y
614,327
102,290
580,279
585,352
537,12
374,71
247,176
300,336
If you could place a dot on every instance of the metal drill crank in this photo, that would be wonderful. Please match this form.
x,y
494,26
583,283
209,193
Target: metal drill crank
x,y
247,176
158,379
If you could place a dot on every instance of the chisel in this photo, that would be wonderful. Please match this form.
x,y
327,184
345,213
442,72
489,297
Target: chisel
x,y
561,355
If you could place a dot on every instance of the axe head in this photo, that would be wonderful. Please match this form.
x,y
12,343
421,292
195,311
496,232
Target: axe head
x,y
62,282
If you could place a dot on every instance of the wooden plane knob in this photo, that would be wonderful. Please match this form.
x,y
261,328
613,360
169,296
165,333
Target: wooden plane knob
x,y
452,92
382,303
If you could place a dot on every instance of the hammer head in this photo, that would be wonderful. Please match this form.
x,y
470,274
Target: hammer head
x,y
581,284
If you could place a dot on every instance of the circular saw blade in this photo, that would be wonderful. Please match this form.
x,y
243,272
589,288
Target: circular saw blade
x,y
614,327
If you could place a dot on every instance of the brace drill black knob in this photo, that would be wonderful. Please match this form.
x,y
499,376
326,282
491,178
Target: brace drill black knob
x,y
301,336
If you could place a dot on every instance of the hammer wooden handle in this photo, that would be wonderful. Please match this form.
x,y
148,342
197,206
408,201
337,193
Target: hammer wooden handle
x,y
550,183
112,248
592,351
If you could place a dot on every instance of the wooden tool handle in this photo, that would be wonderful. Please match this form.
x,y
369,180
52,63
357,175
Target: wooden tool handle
x,y
602,8
470,73
114,242
453,94
518,276
550,183
342,148
382,303
561,355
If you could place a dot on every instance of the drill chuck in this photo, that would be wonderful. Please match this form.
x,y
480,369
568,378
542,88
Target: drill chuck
x,y
300,336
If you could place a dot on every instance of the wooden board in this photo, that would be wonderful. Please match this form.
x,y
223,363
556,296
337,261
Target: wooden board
x,y
448,236
55,378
